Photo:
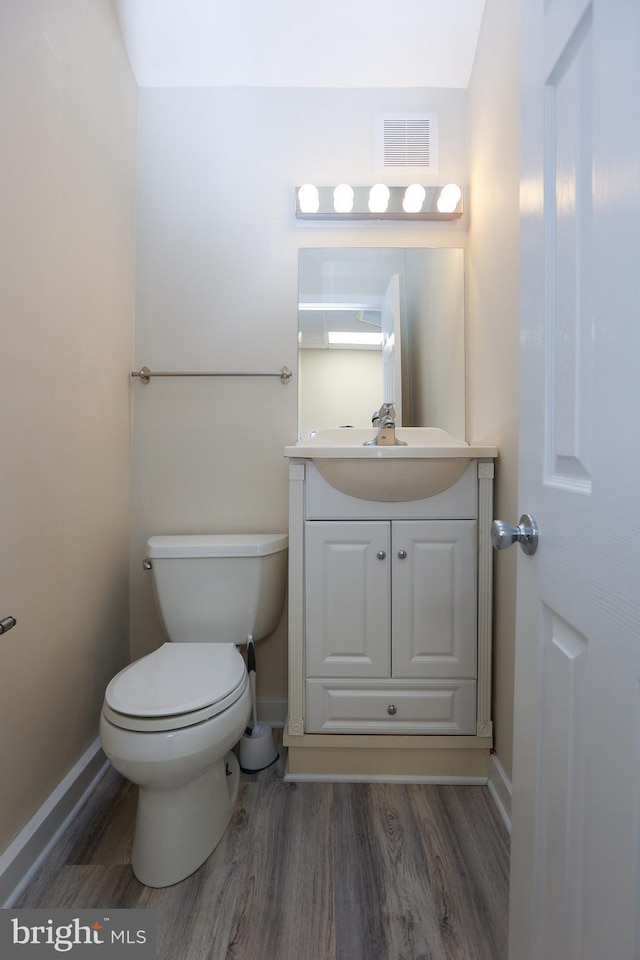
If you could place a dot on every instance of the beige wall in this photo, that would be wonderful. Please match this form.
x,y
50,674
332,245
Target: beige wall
x,y
67,168
437,341
493,309
217,261
338,388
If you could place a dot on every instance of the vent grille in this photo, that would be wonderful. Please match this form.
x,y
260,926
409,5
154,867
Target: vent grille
x,y
407,142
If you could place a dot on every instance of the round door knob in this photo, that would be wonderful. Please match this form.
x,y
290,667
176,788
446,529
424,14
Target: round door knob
x,y
7,623
391,709
381,555
503,534
402,554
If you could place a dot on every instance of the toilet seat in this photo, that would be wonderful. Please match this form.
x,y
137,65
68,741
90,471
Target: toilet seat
x,y
176,686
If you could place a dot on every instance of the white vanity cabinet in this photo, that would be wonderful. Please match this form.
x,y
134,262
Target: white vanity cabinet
x,y
393,601
390,609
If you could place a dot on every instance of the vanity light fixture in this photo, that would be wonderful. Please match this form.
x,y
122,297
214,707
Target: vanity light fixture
x,y
379,202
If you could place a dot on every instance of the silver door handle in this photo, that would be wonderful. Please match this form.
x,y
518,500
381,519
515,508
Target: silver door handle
x,y
7,623
503,534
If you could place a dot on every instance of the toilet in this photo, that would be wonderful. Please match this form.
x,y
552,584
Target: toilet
x,y
171,719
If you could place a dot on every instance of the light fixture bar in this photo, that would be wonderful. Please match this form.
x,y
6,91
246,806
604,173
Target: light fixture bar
x,y
354,338
332,306
412,202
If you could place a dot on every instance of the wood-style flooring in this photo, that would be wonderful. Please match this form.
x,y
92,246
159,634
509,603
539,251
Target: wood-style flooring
x,y
307,871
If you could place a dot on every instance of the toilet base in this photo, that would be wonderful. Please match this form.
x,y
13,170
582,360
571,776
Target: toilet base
x,y
178,828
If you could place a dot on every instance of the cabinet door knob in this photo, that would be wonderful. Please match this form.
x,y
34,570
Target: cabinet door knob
x,y
391,709
381,555
402,554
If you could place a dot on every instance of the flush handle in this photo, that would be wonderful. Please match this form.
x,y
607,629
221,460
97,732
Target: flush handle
x,y
503,534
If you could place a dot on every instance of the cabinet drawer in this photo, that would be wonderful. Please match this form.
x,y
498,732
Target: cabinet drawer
x,y
351,706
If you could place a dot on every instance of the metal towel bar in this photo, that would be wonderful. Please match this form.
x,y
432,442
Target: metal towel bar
x,y
145,374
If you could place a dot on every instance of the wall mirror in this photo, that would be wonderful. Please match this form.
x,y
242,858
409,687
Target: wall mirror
x,y
378,324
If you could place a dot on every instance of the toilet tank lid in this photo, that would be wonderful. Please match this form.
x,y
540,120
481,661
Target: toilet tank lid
x,y
217,545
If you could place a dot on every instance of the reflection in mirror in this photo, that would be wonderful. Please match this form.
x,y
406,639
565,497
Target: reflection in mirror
x,y
381,325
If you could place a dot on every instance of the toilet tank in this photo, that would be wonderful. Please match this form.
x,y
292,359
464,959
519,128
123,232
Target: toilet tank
x,y
219,588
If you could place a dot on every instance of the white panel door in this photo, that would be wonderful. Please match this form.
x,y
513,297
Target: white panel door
x,y
575,892
347,598
433,613
391,348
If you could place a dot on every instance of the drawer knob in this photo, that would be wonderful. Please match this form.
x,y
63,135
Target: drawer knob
x,y
391,709
402,554
381,555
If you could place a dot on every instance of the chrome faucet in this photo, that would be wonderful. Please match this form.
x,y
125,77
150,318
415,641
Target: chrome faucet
x,y
385,420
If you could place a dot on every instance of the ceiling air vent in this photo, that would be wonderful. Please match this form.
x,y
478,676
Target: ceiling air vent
x,y
407,141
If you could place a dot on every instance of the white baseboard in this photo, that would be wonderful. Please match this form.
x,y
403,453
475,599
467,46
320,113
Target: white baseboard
x,y
382,778
500,789
27,852
272,711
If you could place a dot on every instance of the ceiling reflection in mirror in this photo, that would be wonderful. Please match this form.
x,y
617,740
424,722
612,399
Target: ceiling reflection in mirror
x,y
381,325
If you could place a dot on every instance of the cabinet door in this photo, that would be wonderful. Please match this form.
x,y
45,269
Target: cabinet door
x,y
347,599
434,598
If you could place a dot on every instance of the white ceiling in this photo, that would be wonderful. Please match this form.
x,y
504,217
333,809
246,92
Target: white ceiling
x,y
330,43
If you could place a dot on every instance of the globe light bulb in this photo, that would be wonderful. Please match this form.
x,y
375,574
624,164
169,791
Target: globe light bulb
x,y
379,198
343,198
309,198
414,198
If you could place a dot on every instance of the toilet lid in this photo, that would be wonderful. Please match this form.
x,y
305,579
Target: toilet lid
x,y
177,678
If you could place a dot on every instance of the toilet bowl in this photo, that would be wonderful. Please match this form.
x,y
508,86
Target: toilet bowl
x,y
170,720
159,731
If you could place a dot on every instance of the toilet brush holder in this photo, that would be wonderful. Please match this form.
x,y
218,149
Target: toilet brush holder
x,y
257,749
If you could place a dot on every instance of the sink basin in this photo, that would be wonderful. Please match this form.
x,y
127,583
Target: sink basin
x,y
431,461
